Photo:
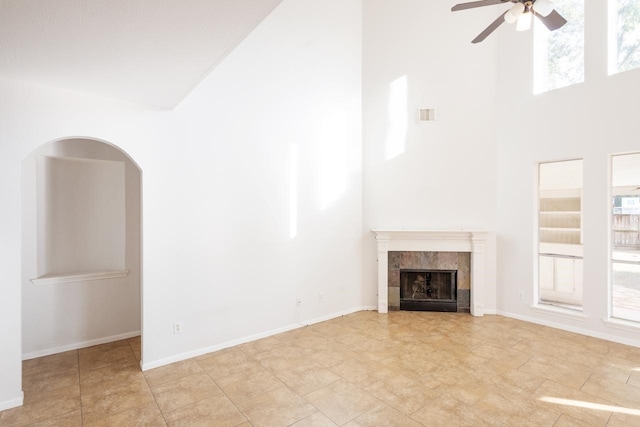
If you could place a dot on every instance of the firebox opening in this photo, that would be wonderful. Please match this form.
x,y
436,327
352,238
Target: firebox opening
x,y
428,290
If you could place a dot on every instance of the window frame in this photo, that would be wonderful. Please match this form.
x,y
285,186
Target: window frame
x,y
556,297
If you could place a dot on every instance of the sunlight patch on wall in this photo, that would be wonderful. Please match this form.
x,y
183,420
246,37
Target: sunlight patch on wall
x,y
334,140
397,116
293,191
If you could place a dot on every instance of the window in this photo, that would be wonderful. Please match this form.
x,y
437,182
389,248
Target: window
x,y
625,237
559,55
560,233
624,35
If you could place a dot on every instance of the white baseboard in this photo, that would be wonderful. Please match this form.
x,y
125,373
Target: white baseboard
x,y
568,328
145,366
75,346
12,403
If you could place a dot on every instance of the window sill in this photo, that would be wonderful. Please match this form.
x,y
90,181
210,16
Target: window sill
x,y
55,279
626,325
568,313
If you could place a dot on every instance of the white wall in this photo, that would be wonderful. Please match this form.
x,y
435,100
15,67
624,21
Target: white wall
x,y
427,175
591,121
217,252
57,223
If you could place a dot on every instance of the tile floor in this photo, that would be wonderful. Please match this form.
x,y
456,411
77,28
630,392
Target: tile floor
x,y
402,369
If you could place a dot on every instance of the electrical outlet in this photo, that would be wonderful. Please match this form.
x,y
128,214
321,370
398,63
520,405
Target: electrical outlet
x,y
320,297
177,327
298,301
521,296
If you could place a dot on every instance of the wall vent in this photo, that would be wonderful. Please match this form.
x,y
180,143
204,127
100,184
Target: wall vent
x,y
426,114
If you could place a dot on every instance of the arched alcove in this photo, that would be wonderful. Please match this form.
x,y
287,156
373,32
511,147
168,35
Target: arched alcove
x,y
81,246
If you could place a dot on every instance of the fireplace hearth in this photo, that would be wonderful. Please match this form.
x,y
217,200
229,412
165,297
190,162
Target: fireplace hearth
x,y
428,290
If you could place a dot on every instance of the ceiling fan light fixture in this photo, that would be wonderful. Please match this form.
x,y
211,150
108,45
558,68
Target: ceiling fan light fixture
x,y
524,21
514,13
543,7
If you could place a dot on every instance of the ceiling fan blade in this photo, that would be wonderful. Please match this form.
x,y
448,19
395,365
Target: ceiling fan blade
x,y
552,21
490,29
473,4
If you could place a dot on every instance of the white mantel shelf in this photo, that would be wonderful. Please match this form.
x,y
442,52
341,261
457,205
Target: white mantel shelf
x,y
476,242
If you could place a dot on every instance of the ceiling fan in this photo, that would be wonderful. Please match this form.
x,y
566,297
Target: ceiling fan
x,y
521,13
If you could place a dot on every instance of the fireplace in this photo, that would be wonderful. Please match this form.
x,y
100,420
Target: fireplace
x,y
476,289
428,290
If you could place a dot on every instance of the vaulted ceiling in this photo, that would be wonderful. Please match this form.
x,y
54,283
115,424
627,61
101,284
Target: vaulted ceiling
x,y
149,51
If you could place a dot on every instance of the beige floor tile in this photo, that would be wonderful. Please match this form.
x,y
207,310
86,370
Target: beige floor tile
x,y
507,360
277,362
568,421
216,411
246,368
447,411
634,379
172,372
144,415
109,377
46,364
334,355
42,406
383,415
613,391
112,401
246,385
411,366
602,365
435,368
136,346
514,380
72,419
571,402
402,393
306,379
342,401
265,344
52,380
463,358
363,373
514,409
276,408
621,351
624,420
184,391
226,362
310,340
548,368
543,346
106,355
317,419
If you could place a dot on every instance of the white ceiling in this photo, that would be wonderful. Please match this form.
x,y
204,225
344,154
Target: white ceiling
x,y
149,51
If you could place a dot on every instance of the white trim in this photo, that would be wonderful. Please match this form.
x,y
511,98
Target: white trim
x,y
625,325
54,279
12,403
210,349
564,327
76,346
554,310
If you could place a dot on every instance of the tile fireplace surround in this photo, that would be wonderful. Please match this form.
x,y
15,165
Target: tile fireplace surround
x,y
476,242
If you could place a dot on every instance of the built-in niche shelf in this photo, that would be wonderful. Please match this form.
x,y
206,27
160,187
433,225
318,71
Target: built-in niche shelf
x,y
82,276
560,223
81,219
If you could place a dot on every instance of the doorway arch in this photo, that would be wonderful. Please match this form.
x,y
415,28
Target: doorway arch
x,y
81,246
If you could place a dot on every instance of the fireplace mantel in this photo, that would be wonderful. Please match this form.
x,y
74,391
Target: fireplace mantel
x,y
476,242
